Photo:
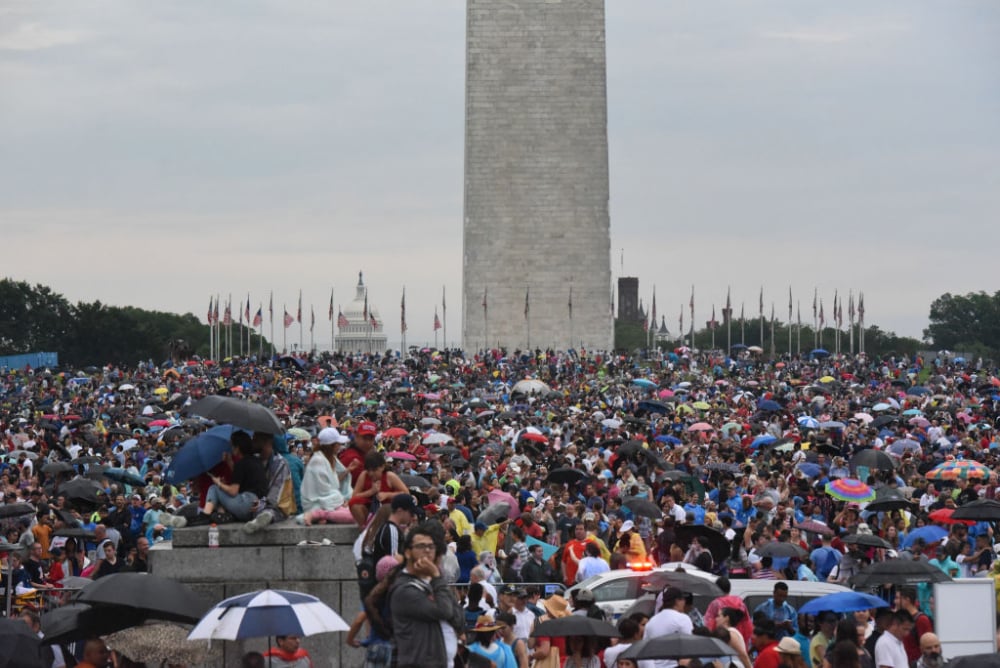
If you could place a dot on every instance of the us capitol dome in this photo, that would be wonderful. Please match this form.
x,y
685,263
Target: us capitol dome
x,y
359,334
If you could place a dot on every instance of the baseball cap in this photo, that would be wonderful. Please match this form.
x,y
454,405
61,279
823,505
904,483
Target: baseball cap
x,y
404,502
511,589
367,429
671,594
329,436
584,596
627,525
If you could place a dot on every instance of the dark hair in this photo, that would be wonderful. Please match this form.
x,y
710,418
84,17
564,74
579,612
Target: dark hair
x,y
902,617
374,460
475,594
724,584
464,543
252,660
431,529
628,627
735,615
778,585
507,618
847,629
242,443
909,593
765,627
592,550
844,654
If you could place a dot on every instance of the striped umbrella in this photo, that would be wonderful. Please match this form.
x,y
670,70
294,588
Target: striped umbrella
x,y
268,612
953,469
850,489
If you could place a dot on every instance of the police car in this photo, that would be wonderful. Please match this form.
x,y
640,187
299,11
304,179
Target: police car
x,y
616,591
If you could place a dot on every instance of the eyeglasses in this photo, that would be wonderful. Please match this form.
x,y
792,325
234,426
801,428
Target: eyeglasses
x,y
422,546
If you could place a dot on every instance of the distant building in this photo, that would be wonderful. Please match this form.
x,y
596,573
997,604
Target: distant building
x,y
629,308
363,332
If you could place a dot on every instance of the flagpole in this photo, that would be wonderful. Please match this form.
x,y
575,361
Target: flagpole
x,y
210,335
761,317
270,308
402,322
798,336
229,329
772,331
284,330
260,334
713,327
527,315
444,321
729,324
789,322
218,329
312,326
333,320
570,346
486,321
743,326
435,329
240,332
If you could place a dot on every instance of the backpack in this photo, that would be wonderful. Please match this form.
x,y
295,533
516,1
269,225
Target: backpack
x,y
377,608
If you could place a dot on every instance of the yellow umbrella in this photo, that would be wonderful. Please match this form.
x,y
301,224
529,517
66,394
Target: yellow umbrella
x,y
701,405
160,390
684,408
827,379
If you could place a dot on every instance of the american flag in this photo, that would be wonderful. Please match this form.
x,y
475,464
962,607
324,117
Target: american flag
x,y
298,315
329,314
246,312
312,318
227,318
210,310
402,312
288,319
437,322
259,318
373,321
342,320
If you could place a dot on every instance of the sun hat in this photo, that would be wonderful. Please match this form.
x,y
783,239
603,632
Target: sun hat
x,y
556,606
789,646
485,623
627,525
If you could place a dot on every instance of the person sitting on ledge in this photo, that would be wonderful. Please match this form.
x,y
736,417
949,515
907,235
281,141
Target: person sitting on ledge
x,y
239,497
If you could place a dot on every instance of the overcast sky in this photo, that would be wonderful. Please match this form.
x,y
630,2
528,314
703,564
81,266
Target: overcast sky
x,y
154,153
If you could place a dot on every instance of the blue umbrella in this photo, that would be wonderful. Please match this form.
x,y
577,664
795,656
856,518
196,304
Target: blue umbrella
x,y
819,352
200,454
930,533
644,383
265,613
666,438
763,439
123,476
768,405
918,390
810,469
808,422
842,601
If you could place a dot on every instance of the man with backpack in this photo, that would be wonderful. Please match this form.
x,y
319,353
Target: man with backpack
x,y
825,558
922,623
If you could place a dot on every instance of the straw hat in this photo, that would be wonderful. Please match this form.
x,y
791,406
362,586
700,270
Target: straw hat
x,y
556,606
485,623
789,646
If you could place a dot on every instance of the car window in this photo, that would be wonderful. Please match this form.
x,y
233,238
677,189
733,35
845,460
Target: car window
x,y
616,590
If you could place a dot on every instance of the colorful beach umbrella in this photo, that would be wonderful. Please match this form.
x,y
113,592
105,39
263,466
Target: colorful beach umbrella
x,y
850,489
955,469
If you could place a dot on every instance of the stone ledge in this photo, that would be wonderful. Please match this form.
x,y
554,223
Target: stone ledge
x,y
287,532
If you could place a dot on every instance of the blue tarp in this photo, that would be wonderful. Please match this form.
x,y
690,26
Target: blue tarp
x,y
34,360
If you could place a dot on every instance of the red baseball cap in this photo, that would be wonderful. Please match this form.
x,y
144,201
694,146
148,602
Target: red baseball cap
x,y
367,429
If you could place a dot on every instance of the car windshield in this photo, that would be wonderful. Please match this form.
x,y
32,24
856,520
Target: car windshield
x,y
590,582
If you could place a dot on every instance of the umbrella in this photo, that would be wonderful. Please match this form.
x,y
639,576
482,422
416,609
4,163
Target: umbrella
x,y
495,513
945,516
16,510
57,467
953,469
902,446
394,432
530,386
812,526
446,450
842,601
887,499
265,613
832,424
883,420
430,422
984,510
975,661
298,434
693,584
763,439
412,481
123,476
873,459
19,646
769,405
677,646
701,426
533,437
643,507
820,352
238,412
81,489
566,476
868,540
200,454
75,532
436,438
781,550
714,540
929,534
575,625
77,621
157,597
899,572
160,643
808,422
644,383
849,489
809,469
401,455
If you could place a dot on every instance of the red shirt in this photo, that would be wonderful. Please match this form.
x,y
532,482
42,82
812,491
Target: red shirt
x,y
352,454
768,657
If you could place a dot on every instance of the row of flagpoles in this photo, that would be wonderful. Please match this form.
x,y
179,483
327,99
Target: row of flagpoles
x,y
221,323
855,311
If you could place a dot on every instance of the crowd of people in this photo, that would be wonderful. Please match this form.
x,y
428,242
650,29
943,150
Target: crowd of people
x,y
479,481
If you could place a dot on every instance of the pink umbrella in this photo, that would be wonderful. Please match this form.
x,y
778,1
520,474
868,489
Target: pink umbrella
x,y
665,394
701,426
401,455
498,496
160,423
921,422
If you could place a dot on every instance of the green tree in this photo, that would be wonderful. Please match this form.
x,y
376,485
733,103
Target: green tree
x,y
965,322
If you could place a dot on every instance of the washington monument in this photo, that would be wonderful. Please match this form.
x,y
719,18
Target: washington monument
x,y
537,247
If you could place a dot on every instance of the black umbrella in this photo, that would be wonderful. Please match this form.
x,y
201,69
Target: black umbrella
x,y
645,604
781,550
19,646
873,459
975,661
230,410
643,507
77,621
83,490
415,481
89,459
16,510
883,420
984,510
57,467
629,448
677,646
899,572
446,450
156,597
566,476
575,625
710,538
687,582
75,532
867,539
887,499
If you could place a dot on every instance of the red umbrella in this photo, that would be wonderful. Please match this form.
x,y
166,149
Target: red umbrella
x,y
394,432
532,436
943,516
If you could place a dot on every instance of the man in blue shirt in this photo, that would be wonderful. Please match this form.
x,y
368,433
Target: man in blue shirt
x,y
778,610
824,558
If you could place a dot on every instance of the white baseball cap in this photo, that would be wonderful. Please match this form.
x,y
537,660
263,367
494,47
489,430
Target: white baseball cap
x,y
627,525
329,436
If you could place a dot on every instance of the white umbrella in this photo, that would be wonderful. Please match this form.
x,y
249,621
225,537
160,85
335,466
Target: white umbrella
x,y
611,423
436,438
430,422
530,386
125,387
265,613
129,444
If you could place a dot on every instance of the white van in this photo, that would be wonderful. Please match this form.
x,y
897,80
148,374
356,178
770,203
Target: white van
x,y
800,592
